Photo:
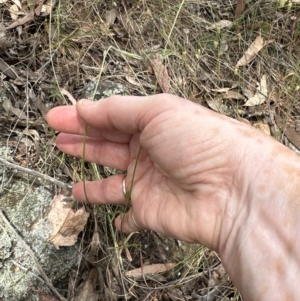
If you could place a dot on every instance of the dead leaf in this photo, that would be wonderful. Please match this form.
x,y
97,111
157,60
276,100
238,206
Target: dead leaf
x,y
221,90
261,94
45,9
21,21
42,9
240,7
46,297
14,12
150,269
10,109
233,95
217,105
120,31
252,51
220,25
131,26
33,134
110,17
132,81
7,70
161,74
18,3
89,290
66,223
38,103
248,93
289,131
263,127
70,96
128,255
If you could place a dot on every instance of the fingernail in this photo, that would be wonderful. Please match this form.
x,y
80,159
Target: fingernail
x,y
85,102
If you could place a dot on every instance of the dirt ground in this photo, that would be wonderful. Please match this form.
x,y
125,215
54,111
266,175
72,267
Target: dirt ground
x,y
239,58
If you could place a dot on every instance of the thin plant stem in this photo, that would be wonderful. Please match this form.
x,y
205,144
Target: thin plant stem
x,y
128,195
85,134
173,25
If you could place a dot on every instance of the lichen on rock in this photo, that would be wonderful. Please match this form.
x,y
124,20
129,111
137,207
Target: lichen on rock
x,y
25,206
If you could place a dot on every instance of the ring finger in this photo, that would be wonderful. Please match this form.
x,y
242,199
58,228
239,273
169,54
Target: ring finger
x,y
106,191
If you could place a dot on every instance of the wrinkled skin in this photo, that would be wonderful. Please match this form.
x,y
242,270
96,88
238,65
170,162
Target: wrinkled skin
x,y
201,177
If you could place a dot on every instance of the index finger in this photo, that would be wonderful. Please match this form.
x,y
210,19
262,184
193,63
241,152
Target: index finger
x,y
67,120
115,118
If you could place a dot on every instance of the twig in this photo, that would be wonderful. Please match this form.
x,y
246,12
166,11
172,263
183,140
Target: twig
x,y
44,276
35,174
48,62
28,271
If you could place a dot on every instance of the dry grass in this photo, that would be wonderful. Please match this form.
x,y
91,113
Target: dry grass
x,y
83,41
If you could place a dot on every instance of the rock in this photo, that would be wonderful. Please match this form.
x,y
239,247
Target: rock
x,y
25,206
103,89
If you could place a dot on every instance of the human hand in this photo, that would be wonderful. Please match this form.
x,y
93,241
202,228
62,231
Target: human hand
x,y
187,171
201,177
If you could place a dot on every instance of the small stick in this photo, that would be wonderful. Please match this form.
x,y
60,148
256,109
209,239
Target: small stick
x,y
35,174
42,69
43,274
28,271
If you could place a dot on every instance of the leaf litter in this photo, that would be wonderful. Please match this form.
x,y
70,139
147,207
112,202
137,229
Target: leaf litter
x,y
261,93
161,74
151,269
66,224
255,47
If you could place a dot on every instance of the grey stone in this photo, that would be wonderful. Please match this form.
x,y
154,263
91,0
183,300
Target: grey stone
x,y
26,205
103,89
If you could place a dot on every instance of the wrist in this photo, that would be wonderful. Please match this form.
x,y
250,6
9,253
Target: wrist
x,y
261,250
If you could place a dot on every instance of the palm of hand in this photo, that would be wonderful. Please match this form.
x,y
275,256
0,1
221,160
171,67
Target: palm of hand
x,y
181,185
